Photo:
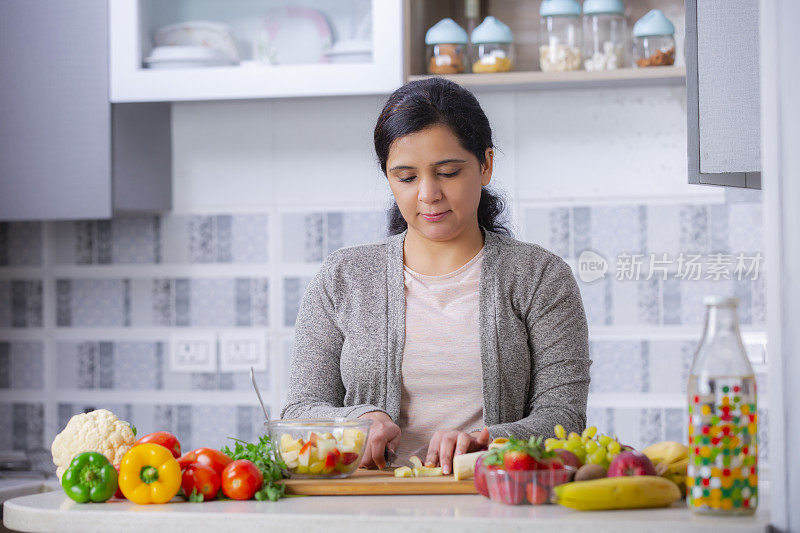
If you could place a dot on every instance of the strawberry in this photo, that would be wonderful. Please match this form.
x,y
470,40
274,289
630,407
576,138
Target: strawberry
x,y
519,460
537,494
506,490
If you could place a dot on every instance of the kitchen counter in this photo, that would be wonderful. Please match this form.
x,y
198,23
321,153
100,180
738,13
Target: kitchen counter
x,y
329,514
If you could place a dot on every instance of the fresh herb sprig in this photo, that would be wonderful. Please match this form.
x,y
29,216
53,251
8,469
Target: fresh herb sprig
x,y
263,455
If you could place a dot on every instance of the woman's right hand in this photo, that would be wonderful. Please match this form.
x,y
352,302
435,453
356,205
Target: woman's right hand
x,y
383,433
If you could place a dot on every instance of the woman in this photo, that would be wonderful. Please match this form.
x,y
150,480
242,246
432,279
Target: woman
x,y
450,333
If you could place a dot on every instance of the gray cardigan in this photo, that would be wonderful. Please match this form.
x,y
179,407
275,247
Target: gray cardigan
x,y
350,334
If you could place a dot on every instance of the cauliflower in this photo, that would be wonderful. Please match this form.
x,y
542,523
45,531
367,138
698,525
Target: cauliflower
x,y
97,431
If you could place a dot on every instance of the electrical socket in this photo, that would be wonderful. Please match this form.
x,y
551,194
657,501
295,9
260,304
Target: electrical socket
x,y
239,350
193,352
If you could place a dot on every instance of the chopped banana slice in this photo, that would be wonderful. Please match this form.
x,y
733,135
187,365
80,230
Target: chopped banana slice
x,y
403,471
414,460
428,471
464,465
499,442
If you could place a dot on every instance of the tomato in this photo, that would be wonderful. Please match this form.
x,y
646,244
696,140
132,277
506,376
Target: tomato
x,y
167,440
201,479
206,456
241,480
118,494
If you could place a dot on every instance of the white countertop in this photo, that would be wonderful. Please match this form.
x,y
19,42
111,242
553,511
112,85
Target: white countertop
x,y
329,514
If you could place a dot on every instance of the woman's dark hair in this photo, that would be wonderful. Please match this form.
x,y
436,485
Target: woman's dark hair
x,y
420,104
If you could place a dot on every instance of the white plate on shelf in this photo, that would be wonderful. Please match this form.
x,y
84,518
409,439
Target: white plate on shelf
x,y
212,35
187,57
293,35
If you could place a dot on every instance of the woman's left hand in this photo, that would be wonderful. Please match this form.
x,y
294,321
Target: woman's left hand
x,y
446,444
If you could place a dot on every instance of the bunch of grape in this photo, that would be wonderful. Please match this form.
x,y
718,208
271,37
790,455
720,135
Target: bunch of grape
x,y
588,446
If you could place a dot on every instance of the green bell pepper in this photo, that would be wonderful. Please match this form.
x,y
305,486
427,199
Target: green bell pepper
x,y
90,477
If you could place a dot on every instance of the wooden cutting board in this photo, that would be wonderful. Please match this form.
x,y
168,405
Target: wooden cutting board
x,y
375,482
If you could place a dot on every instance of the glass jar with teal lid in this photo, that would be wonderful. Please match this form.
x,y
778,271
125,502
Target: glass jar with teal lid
x,y
446,48
492,47
605,34
653,40
559,35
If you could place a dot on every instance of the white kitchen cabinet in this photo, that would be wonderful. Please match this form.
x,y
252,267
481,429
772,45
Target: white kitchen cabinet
x,y
722,89
133,24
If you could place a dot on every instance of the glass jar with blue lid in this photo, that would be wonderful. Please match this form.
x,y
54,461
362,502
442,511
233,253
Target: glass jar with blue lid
x,y
492,47
446,44
653,40
605,34
559,35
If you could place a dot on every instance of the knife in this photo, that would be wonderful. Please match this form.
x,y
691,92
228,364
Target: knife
x,y
392,459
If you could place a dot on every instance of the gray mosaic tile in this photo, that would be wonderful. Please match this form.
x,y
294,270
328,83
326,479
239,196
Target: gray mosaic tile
x,y
746,228
243,306
224,238
363,227
694,229
213,302
652,427
63,302
182,306
671,301
293,290
593,296
184,425
581,230
161,292
26,365
21,303
212,425
758,302
5,365
666,366
763,438
559,232
602,419
21,243
99,303
104,242
202,239
84,243
718,230
175,239
105,365
649,301
88,361
5,304
675,425
334,223
616,230
136,240
27,426
250,238
742,290
259,301
617,366
315,231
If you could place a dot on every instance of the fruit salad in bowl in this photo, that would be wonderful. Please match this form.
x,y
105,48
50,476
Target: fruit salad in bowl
x,y
320,448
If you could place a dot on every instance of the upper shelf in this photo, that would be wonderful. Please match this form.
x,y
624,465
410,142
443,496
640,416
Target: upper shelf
x,y
625,77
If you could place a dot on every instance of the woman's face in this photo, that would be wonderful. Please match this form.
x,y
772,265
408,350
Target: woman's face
x,y
436,182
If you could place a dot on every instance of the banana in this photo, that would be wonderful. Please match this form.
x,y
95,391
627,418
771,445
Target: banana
x,y
624,492
667,452
678,467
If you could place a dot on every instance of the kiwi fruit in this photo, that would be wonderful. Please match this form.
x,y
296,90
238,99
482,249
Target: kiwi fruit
x,y
590,471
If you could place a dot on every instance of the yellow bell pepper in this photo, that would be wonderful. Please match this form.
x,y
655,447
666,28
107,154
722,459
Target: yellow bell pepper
x,y
149,473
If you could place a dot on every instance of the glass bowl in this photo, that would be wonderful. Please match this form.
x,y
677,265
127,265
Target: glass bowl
x,y
321,447
517,487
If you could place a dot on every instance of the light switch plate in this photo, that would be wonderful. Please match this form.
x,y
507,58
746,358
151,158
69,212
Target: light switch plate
x,y
193,352
239,350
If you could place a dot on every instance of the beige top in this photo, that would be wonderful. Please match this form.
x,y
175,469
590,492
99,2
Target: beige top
x,y
442,385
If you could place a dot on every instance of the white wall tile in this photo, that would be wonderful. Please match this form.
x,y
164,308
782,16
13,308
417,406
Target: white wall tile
x,y
222,156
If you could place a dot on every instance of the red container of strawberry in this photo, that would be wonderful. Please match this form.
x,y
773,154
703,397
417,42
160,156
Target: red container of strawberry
x,y
520,472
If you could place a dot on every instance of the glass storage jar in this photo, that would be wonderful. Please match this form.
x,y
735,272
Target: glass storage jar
x,y
446,44
492,47
605,34
560,35
653,40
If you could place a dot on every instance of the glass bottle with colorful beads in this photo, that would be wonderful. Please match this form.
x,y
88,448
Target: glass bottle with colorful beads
x,y
722,477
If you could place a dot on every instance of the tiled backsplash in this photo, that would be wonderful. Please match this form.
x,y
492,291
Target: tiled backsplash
x,y
120,287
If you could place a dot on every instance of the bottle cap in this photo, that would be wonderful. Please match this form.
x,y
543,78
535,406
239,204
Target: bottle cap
x,y
652,24
595,7
446,31
554,8
492,30
721,301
